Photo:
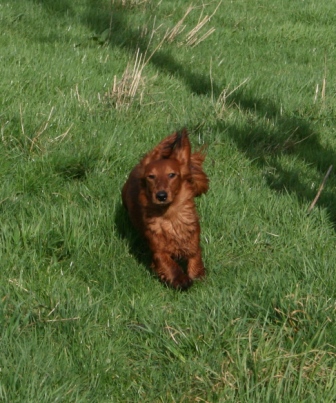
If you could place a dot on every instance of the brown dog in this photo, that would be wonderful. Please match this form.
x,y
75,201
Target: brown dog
x,y
159,196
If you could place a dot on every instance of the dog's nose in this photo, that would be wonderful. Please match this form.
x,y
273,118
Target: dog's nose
x,y
161,195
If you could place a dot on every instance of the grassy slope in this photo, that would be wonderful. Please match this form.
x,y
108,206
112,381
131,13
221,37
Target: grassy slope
x,y
81,317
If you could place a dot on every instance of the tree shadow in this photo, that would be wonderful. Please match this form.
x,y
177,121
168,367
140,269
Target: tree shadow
x,y
123,35
57,7
100,17
265,135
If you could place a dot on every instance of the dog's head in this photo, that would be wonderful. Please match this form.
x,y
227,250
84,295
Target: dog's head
x,y
166,167
162,181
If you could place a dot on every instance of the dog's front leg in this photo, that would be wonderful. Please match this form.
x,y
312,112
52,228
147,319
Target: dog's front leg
x,y
170,272
196,266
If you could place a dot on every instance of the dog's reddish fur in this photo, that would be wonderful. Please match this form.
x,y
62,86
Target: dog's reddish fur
x,y
159,196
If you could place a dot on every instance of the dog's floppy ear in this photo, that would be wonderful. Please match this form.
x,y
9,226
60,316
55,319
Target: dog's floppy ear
x,y
182,151
199,179
163,150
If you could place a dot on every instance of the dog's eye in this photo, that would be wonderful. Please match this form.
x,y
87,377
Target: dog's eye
x,y
171,175
151,176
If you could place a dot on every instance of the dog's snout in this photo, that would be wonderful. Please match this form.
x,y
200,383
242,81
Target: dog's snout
x,y
161,196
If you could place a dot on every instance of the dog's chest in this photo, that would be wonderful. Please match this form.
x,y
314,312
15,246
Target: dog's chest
x,y
177,227
173,229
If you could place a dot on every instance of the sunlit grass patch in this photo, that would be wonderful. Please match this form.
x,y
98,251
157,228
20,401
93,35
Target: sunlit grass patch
x,y
86,89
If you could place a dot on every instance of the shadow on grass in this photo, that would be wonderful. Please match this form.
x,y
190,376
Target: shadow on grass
x,y
263,143
75,167
266,133
97,16
57,6
124,36
136,244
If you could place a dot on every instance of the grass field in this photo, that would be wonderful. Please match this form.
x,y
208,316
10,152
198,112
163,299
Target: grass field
x,y
87,87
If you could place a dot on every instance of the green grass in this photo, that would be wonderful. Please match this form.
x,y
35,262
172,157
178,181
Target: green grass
x,y
82,319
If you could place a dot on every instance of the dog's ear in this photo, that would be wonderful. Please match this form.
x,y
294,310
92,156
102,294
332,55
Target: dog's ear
x,y
200,180
182,151
163,150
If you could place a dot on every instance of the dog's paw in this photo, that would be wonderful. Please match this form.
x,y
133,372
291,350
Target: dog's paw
x,y
181,282
198,275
